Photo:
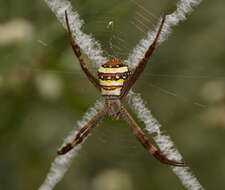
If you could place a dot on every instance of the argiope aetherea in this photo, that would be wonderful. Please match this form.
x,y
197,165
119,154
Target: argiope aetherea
x,y
115,81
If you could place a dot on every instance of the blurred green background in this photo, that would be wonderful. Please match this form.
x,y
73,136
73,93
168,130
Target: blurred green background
x,y
43,93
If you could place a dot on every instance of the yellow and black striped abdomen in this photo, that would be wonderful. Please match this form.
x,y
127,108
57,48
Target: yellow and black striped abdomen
x,y
112,76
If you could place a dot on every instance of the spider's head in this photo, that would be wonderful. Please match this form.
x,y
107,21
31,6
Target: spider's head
x,y
112,75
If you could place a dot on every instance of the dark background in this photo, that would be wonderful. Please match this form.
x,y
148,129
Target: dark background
x,y
43,92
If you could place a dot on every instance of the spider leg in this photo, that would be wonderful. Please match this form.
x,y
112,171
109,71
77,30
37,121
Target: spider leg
x,y
144,141
77,52
141,65
83,132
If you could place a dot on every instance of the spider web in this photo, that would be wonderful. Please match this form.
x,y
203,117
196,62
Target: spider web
x,y
59,7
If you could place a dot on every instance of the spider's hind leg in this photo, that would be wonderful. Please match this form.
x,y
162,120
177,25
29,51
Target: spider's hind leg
x,y
144,141
77,52
142,64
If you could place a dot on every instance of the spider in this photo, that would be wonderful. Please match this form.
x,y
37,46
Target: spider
x,y
114,81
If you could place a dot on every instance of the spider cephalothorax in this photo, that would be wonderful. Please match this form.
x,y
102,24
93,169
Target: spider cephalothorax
x,y
114,81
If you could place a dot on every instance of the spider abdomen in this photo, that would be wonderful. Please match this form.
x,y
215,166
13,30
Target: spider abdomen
x,y
112,76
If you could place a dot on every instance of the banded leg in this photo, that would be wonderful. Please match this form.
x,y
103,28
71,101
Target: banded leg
x,y
141,65
144,141
77,52
83,132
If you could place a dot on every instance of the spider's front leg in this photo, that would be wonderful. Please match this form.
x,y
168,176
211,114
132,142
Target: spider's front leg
x,y
77,52
144,141
141,65
83,132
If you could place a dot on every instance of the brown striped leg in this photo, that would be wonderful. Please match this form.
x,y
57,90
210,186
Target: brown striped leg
x,y
144,141
77,52
83,132
141,65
